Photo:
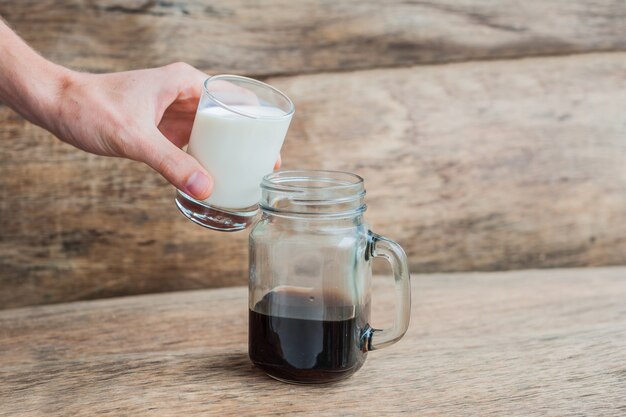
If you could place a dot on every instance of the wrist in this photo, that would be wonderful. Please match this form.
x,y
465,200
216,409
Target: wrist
x,y
49,101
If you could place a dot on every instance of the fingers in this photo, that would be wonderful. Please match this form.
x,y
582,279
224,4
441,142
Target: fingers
x,y
278,163
188,80
181,169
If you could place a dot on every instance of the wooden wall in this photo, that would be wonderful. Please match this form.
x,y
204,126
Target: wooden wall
x,y
492,135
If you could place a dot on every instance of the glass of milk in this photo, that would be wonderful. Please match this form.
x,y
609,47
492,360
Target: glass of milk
x,y
237,134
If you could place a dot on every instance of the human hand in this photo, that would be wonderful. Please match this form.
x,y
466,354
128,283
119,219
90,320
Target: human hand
x,y
144,115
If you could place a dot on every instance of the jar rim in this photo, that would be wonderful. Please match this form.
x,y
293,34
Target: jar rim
x,y
335,180
319,193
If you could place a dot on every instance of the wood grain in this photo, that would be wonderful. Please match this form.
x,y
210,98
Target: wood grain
x,y
477,166
523,343
286,37
500,165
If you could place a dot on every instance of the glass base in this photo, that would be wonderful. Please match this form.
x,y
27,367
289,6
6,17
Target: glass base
x,y
296,382
215,218
307,376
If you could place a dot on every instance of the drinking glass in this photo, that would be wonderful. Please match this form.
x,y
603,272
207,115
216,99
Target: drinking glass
x,y
310,278
237,134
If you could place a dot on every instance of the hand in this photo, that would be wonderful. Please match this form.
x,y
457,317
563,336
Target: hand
x,y
144,115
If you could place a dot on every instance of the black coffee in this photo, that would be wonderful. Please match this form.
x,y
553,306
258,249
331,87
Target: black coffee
x,y
306,350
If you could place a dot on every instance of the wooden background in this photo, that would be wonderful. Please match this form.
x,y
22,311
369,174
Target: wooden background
x,y
491,134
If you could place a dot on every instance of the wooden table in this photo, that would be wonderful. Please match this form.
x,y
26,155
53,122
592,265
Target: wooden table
x,y
550,342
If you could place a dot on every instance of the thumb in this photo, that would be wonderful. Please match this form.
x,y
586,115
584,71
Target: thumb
x,y
182,170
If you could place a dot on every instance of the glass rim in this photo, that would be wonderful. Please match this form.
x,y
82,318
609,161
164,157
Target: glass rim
x,y
226,77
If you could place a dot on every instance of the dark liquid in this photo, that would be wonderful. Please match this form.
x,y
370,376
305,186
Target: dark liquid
x,y
300,349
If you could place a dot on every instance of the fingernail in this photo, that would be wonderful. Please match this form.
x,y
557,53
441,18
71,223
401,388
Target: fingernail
x,y
198,185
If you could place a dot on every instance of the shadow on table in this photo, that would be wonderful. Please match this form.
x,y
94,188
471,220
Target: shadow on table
x,y
234,364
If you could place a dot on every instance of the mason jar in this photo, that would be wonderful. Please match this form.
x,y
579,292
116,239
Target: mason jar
x,y
310,278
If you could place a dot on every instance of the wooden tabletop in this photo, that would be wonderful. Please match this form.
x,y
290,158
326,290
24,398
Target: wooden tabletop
x,y
550,342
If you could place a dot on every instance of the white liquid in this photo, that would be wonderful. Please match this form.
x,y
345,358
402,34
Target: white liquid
x,y
237,150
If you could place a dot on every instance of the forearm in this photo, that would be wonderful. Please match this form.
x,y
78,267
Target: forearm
x,y
29,84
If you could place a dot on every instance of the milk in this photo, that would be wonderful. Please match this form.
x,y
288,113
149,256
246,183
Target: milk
x,y
237,150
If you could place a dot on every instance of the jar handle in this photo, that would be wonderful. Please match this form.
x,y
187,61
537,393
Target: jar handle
x,y
381,247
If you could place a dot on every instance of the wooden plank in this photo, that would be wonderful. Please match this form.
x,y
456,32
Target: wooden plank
x,y
500,165
286,37
478,166
513,343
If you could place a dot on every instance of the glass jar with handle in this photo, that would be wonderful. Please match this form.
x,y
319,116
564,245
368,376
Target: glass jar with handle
x,y
310,278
